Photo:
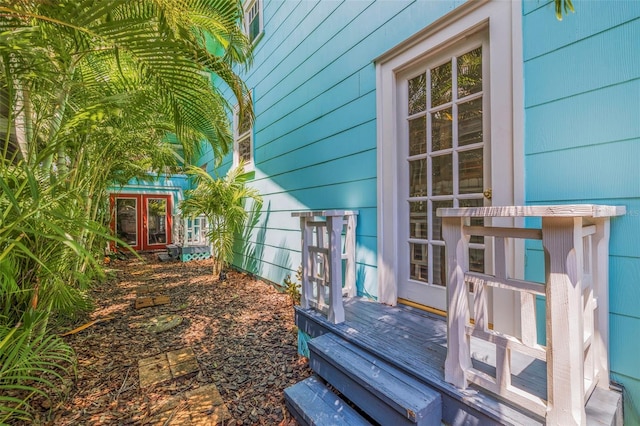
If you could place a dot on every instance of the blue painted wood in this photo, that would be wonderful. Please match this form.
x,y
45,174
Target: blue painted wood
x,y
313,404
605,115
386,394
624,272
591,18
631,388
624,344
609,67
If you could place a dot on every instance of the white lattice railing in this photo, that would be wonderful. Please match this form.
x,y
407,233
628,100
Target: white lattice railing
x,y
189,231
575,239
328,238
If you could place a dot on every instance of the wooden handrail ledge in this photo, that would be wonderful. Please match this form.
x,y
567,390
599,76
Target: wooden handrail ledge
x,y
575,239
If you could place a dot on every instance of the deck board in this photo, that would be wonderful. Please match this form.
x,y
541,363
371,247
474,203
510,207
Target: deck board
x,y
416,342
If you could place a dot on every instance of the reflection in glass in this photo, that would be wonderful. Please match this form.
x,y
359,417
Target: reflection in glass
x,y
441,84
476,260
245,121
418,178
470,122
418,219
244,149
417,94
157,221
441,124
470,73
418,136
126,220
442,174
470,168
436,222
439,268
475,221
418,266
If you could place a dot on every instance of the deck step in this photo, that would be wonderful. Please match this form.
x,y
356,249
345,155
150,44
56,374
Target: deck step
x,y
386,394
311,402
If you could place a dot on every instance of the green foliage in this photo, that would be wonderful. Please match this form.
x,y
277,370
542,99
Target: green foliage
x,y
90,91
222,201
31,360
563,7
292,288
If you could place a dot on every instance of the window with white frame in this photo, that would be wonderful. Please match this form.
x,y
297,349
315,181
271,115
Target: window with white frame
x,y
243,138
253,19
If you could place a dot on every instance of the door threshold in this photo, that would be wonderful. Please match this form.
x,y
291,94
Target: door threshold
x,y
422,307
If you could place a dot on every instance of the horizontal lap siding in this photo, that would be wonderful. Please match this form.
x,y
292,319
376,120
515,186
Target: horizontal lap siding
x,y
313,81
582,145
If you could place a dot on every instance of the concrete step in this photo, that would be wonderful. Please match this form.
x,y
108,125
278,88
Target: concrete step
x,y
388,395
311,402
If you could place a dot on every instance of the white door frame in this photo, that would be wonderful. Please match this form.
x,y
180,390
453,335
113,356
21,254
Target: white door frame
x,y
503,21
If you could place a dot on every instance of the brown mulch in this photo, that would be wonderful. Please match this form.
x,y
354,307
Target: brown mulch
x,y
241,330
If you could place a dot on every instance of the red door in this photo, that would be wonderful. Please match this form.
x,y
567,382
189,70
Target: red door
x,y
142,220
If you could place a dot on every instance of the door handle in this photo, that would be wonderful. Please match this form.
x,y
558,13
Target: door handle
x,y
488,193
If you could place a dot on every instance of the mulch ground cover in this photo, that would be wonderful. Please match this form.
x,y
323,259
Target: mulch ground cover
x,y
241,331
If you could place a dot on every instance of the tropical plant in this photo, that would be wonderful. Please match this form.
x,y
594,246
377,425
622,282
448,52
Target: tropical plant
x,y
222,201
563,7
292,288
92,92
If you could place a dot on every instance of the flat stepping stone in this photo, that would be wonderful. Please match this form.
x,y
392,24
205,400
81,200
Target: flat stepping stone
x,y
163,323
167,366
147,302
201,406
146,290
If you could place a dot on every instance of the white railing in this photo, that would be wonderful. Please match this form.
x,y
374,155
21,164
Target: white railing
x,y
189,231
575,239
323,250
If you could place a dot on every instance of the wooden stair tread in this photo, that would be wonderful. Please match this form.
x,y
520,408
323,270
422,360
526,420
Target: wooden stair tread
x,y
313,403
385,393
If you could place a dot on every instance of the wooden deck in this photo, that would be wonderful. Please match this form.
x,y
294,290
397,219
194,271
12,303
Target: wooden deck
x,y
415,341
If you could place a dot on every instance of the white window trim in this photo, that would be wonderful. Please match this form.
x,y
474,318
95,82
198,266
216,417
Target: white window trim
x,y
248,165
247,7
503,19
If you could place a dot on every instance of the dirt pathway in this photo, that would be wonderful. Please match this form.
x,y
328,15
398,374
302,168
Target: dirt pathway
x,y
240,331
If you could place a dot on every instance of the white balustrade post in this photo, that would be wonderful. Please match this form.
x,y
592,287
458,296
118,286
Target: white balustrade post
x,y
306,290
350,249
600,272
458,352
336,309
562,241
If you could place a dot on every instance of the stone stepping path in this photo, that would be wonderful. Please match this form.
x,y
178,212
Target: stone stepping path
x,y
146,302
198,407
167,366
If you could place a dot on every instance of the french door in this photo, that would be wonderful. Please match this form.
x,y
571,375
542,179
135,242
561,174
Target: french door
x,y
444,161
142,220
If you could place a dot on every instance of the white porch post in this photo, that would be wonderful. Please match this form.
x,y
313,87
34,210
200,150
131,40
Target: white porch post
x,y
336,308
306,236
600,265
458,351
562,241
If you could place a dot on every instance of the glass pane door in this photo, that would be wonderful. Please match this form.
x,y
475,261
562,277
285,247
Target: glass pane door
x,y
156,221
445,165
127,220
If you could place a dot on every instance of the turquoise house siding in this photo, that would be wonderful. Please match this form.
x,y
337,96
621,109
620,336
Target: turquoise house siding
x,y
175,185
314,88
582,145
